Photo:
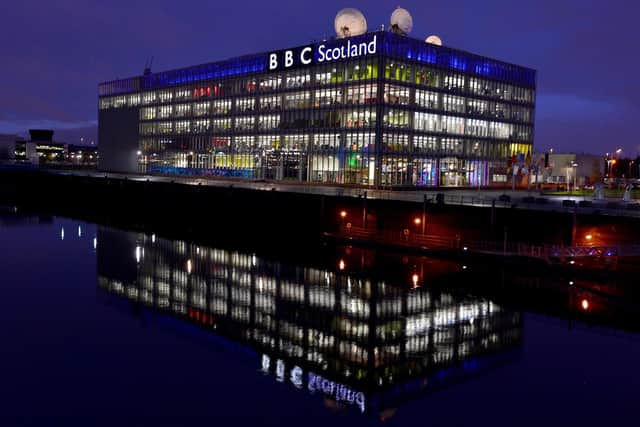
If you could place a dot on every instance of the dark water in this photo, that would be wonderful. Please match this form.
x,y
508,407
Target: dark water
x,y
107,327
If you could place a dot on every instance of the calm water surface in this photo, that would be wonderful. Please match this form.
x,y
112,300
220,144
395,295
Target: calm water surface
x,y
107,327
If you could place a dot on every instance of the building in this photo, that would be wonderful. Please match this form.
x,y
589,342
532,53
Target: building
x,y
574,169
41,147
7,147
375,109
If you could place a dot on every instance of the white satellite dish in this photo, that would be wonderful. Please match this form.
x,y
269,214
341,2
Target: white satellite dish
x,y
401,21
434,40
350,22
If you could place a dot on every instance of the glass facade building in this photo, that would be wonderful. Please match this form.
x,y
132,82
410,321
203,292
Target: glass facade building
x,y
377,109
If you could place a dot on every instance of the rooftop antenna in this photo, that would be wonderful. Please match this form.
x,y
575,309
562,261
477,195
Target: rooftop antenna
x,y
401,21
147,66
350,22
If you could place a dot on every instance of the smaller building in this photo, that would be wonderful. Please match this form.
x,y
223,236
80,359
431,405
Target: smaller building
x,y
7,147
41,147
569,170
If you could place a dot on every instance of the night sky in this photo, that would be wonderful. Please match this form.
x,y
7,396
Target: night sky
x,y
54,53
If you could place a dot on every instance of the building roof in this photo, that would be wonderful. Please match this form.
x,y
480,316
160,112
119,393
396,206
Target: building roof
x,y
388,44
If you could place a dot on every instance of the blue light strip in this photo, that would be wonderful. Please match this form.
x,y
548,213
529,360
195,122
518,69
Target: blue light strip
x,y
417,50
388,44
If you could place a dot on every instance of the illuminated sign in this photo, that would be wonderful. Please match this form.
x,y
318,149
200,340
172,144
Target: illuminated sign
x,y
318,54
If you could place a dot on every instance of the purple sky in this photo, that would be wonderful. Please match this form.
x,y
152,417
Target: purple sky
x,y
586,52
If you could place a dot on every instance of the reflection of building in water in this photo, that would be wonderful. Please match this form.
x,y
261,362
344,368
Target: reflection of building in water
x,y
347,337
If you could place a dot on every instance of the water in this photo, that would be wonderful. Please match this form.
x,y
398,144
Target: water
x,y
108,327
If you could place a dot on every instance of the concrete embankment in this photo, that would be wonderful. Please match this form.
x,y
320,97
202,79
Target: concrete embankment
x,y
276,217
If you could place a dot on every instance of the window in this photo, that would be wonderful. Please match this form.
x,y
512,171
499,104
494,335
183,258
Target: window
x,y
451,146
201,126
221,107
201,109
327,141
221,124
396,118
454,82
297,100
360,118
148,113
399,72
425,144
165,96
362,72
324,97
165,127
245,104
427,122
183,126
165,111
476,107
395,143
245,123
133,100
477,127
396,95
148,98
427,77
270,83
331,76
366,94
297,80
427,99
453,103
183,93
453,125
269,121
269,103
182,110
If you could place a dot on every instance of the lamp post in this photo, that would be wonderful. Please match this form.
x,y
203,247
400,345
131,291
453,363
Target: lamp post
x,y
343,215
574,165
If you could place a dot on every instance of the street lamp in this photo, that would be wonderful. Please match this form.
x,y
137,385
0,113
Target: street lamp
x,y
343,215
613,163
574,165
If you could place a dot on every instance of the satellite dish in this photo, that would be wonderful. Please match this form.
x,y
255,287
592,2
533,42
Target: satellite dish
x,y
350,22
434,40
401,21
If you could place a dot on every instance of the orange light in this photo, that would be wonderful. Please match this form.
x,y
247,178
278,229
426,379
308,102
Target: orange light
x,y
343,214
613,162
417,221
341,265
588,237
585,304
414,278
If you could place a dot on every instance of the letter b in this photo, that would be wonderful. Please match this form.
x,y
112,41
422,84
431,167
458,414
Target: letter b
x,y
273,61
288,59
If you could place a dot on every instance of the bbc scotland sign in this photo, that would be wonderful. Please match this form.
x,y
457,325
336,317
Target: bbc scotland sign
x,y
322,53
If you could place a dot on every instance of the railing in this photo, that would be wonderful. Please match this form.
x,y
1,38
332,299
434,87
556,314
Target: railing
x,y
401,238
529,202
503,248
